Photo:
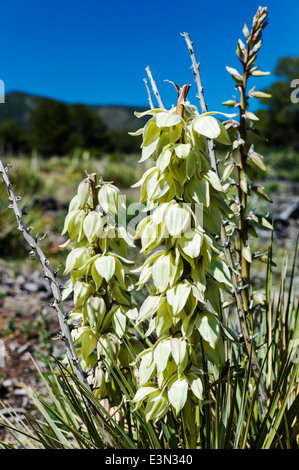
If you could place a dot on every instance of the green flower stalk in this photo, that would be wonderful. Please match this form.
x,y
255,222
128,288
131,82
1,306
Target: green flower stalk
x,y
103,306
184,267
247,159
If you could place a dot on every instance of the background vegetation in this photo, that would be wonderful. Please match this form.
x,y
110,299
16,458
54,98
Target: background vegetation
x,y
30,123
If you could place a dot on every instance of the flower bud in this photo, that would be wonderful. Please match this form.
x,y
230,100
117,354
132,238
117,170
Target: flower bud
x,y
83,192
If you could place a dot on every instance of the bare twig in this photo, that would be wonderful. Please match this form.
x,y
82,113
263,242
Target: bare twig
x,y
154,87
195,65
47,273
200,96
237,280
149,94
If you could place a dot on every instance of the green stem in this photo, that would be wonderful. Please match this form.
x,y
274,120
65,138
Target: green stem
x,y
189,424
183,92
243,223
93,184
243,227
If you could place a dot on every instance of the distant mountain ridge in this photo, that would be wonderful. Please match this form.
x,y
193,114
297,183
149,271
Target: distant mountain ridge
x,y
19,105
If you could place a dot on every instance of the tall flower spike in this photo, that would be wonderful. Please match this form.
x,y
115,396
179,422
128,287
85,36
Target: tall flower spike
x,y
103,306
184,265
240,171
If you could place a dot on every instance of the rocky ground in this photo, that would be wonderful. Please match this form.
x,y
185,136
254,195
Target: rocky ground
x,y
28,329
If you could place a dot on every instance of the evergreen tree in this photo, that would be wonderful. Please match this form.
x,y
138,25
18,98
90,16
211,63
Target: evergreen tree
x,y
51,123
13,137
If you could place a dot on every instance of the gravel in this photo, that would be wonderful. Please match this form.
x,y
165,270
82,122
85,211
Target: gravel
x,y
24,313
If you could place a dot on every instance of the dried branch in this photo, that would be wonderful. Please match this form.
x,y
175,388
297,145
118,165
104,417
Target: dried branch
x,y
47,274
195,65
149,94
154,87
237,281
200,96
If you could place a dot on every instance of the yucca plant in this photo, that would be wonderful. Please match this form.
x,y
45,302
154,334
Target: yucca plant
x,y
185,267
154,359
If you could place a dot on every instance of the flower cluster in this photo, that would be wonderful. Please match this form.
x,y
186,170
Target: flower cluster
x,y
183,264
103,306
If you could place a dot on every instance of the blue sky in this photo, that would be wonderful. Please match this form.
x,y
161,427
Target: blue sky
x,y
95,52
